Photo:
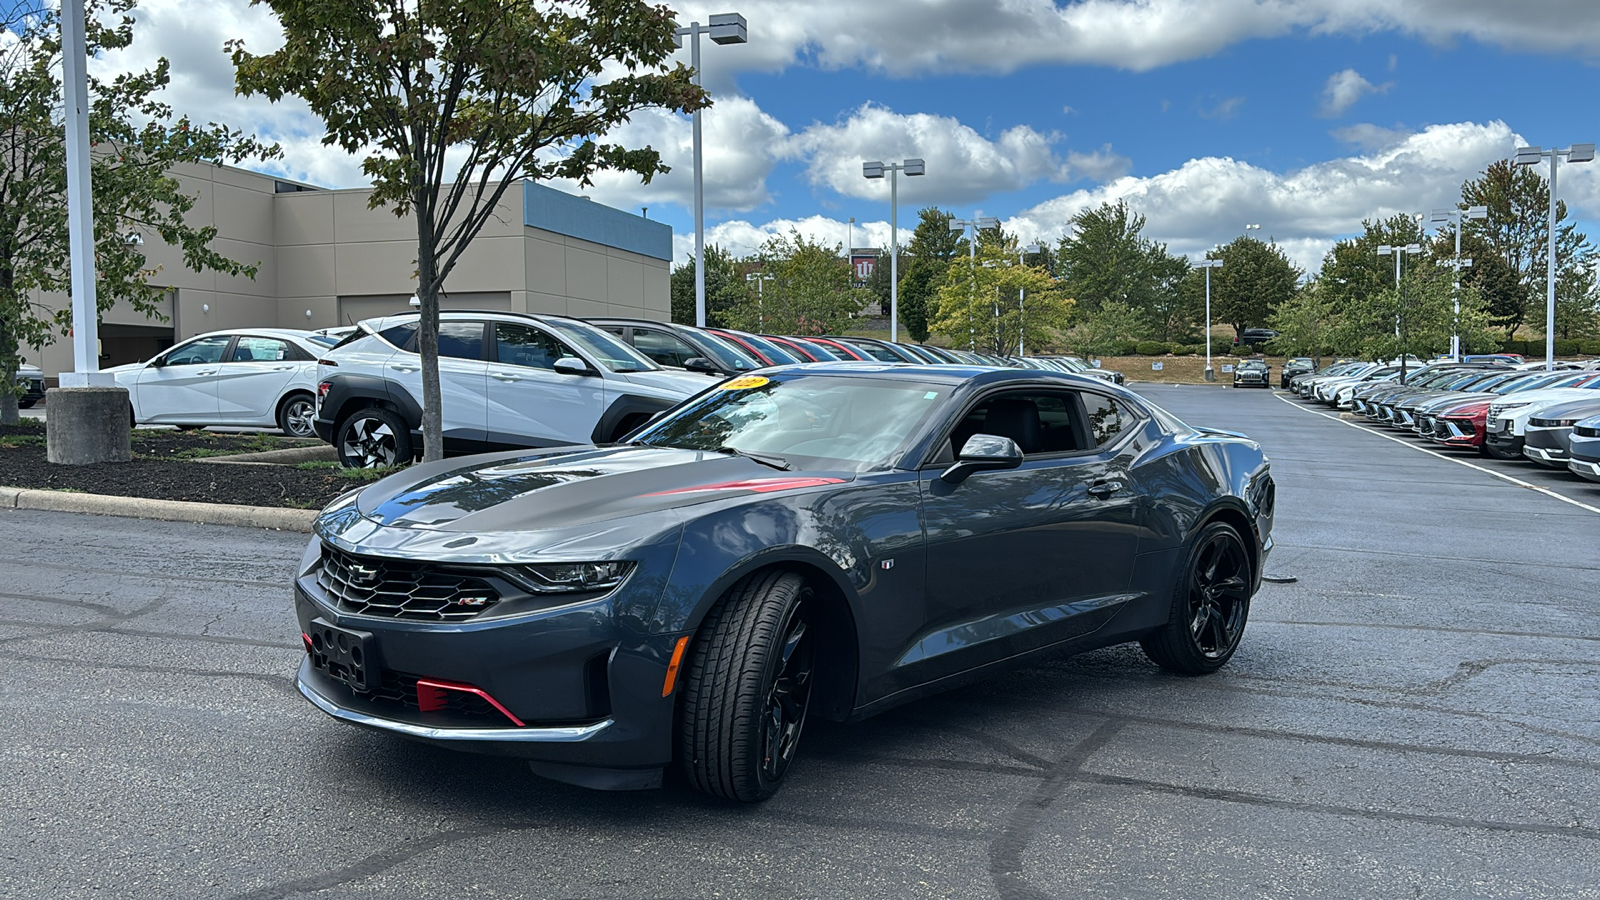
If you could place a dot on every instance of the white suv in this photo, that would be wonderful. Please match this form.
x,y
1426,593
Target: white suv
x,y
506,380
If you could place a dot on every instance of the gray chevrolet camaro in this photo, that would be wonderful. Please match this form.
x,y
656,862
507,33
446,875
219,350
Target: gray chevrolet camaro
x,y
825,540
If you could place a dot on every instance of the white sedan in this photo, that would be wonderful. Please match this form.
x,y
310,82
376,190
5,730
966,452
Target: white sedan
x,y
246,377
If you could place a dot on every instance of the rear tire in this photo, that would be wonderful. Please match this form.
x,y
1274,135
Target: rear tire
x,y
748,687
27,404
373,437
1210,605
295,414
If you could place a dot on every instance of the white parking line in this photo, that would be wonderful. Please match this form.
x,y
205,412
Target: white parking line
x,y
1460,462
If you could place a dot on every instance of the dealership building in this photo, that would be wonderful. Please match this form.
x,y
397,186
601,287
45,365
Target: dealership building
x,y
325,259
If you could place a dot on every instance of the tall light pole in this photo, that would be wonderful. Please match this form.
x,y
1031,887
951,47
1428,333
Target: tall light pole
x,y
1528,156
725,28
1399,286
1254,226
1208,265
761,279
849,248
1456,217
976,225
1022,321
876,169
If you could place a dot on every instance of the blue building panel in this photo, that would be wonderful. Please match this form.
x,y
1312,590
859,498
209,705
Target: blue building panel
x,y
562,213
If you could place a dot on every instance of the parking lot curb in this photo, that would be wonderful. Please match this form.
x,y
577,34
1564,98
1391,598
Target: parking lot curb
x,y
168,510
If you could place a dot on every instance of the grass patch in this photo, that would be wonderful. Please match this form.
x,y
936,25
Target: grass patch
x,y
13,441
357,475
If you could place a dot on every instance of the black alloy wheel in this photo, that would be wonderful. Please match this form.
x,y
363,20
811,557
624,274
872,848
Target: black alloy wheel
x,y
295,415
748,687
1210,605
374,437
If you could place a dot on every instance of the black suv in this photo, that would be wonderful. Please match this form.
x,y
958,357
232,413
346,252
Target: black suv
x,y
1254,337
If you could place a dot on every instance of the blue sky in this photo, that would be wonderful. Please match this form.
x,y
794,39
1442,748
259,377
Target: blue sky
x,y
1302,115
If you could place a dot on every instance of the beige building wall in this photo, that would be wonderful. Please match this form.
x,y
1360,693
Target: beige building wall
x,y
325,259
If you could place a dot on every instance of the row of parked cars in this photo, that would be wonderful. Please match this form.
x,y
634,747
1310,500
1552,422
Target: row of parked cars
x,y
508,380
1497,406
512,380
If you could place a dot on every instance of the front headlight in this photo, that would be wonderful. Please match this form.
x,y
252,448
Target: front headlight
x,y
1552,423
570,578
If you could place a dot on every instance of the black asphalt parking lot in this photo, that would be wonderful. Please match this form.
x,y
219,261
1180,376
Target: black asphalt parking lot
x,y
1417,716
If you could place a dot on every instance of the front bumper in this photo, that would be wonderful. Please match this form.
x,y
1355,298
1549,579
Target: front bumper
x,y
567,689
1584,468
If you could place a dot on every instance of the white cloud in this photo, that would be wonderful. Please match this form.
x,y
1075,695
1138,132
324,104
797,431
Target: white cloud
x,y
740,145
911,38
742,238
1207,201
964,166
1344,88
1371,137
1223,109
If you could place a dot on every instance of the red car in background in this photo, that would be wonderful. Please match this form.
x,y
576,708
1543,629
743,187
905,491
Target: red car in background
x,y
1462,426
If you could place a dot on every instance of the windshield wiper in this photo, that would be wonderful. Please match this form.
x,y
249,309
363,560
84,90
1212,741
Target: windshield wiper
x,y
766,459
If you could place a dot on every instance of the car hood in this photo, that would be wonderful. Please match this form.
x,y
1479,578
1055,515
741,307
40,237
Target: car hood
x,y
1528,402
560,488
667,384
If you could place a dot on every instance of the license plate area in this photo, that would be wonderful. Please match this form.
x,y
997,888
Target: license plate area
x,y
345,654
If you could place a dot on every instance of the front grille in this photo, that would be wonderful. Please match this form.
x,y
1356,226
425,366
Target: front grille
x,y
399,691
401,589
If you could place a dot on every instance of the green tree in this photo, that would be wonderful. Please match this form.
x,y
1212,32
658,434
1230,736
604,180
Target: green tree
x,y
726,290
136,142
453,101
923,263
996,301
1105,331
812,291
1255,279
1306,322
1517,231
1105,258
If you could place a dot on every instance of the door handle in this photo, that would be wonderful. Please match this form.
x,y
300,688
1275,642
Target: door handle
x,y
282,368
1104,489
406,369
202,374
506,377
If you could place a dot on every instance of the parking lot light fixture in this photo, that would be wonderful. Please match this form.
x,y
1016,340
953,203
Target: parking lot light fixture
x,y
724,28
1456,217
1399,253
760,279
875,169
1022,321
976,224
1208,265
1527,156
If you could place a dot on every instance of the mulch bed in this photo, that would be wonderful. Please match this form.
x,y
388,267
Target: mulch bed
x,y
163,469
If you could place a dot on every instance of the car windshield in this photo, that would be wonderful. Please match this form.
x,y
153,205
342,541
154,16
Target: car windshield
x,y
607,350
802,421
823,354
778,355
729,355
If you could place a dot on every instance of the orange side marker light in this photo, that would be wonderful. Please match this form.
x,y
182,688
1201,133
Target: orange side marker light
x,y
672,667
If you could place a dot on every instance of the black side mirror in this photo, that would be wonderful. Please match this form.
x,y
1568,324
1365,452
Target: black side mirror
x,y
159,361
571,365
701,364
982,453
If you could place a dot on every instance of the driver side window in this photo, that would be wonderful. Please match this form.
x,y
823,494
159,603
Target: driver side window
x,y
523,345
1040,422
198,353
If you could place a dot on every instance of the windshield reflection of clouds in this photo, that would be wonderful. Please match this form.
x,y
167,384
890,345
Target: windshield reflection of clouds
x,y
853,422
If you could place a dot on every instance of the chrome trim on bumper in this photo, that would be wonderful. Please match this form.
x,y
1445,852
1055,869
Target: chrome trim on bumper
x,y
1581,467
1540,453
563,735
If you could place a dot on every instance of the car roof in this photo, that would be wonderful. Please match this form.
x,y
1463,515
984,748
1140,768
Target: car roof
x,y
948,373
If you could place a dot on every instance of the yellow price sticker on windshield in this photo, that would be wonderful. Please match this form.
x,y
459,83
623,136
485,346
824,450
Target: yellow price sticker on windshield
x,y
744,383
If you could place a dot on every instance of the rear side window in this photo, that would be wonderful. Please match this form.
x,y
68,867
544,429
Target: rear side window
x,y
461,340
400,336
1108,420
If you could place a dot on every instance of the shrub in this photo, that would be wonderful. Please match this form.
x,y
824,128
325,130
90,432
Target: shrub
x,y
1151,348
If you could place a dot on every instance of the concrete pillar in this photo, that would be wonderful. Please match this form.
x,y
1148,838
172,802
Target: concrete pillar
x,y
87,425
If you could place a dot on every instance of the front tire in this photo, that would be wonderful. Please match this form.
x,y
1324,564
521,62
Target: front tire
x,y
373,437
748,687
27,404
1210,604
295,414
